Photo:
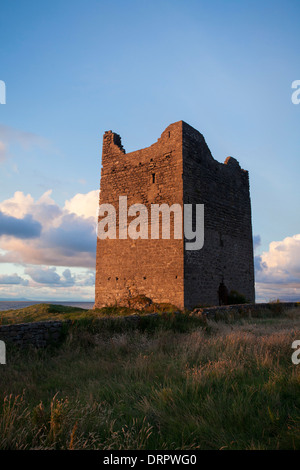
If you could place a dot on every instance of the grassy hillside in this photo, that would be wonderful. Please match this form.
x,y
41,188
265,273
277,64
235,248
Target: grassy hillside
x,y
46,312
40,312
175,383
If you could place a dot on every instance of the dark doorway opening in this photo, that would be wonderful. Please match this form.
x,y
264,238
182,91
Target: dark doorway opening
x,y
223,294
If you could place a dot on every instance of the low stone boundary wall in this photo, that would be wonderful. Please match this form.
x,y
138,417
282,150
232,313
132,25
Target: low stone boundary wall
x,y
37,334
40,334
225,310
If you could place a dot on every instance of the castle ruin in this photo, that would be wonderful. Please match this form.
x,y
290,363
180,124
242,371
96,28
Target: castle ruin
x,y
177,169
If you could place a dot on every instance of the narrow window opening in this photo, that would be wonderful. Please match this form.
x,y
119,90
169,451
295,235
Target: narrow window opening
x,y
117,278
153,178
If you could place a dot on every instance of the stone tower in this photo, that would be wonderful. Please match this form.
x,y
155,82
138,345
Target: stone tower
x,y
177,169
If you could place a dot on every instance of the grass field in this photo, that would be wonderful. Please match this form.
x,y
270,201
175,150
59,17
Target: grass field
x,y
46,312
174,382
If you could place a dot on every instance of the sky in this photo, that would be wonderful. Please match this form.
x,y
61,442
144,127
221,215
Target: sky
x,y
74,69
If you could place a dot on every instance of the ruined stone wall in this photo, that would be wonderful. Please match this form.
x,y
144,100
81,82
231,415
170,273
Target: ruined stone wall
x,y
154,268
37,334
227,253
184,172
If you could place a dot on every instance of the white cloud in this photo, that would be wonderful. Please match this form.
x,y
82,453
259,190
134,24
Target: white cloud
x,y
284,255
49,276
12,279
44,210
18,205
278,270
84,205
67,236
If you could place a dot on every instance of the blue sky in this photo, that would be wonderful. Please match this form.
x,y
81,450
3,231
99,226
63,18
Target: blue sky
x,y
74,69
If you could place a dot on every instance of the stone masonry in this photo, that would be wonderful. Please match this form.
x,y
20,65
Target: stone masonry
x,y
178,168
37,334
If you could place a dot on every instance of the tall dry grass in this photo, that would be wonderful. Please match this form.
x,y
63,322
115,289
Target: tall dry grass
x,y
229,385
